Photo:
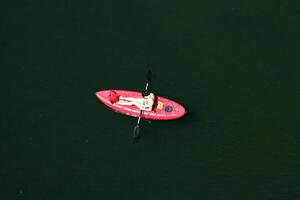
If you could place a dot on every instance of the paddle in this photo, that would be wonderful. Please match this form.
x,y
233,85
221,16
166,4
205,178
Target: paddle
x,y
137,129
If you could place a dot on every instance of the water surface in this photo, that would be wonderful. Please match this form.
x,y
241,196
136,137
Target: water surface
x,y
233,65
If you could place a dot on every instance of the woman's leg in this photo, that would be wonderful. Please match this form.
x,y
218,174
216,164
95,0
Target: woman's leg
x,y
131,101
126,103
130,98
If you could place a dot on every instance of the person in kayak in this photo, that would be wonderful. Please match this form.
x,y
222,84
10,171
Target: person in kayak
x,y
146,103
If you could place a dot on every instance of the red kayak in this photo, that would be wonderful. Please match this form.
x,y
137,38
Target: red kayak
x,y
164,109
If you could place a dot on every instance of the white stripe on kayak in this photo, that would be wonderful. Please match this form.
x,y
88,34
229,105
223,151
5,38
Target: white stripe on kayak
x,y
136,111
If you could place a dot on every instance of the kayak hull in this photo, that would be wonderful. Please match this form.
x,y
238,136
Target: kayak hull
x,y
164,109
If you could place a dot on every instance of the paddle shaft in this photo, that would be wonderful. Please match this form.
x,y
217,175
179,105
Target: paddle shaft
x,y
146,88
142,111
137,127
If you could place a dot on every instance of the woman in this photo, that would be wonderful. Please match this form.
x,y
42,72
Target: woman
x,y
145,103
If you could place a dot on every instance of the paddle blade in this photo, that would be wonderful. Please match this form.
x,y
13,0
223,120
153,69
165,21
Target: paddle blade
x,y
136,131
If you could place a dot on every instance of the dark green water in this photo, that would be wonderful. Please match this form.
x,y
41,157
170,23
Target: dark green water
x,y
234,65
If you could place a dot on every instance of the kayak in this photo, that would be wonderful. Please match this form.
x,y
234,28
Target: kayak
x,y
163,108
